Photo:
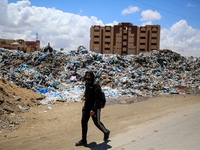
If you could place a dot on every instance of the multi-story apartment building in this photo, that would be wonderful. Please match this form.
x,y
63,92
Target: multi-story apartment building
x,y
124,39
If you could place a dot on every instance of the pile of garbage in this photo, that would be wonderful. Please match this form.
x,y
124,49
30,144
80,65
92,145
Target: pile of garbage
x,y
59,76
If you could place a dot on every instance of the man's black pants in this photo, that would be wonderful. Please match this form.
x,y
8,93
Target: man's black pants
x,y
96,120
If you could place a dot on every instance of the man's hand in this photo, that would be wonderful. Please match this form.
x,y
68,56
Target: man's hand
x,y
92,113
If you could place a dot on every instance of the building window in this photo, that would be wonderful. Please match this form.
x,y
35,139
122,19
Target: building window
x,y
154,38
107,36
107,48
153,44
96,36
96,42
107,30
107,42
142,37
96,30
154,31
142,31
142,49
124,46
142,43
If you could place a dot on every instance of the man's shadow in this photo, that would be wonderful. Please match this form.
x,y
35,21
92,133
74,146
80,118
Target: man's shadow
x,y
103,145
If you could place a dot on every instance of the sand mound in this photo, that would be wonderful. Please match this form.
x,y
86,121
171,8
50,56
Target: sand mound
x,y
15,100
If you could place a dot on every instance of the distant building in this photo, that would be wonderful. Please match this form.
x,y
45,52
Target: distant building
x,y
124,39
25,46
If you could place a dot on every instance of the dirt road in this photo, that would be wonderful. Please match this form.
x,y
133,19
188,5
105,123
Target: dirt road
x,y
51,127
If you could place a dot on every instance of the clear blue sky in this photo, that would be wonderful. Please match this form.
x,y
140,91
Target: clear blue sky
x,y
66,23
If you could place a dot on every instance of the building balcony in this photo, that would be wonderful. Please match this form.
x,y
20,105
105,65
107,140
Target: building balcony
x,y
143,34
142,46
107,39
153,41
107,46
125,31
154,47
96,39
96,45
124,43
125,37
154,34
124,49
96,33
107,33
142,40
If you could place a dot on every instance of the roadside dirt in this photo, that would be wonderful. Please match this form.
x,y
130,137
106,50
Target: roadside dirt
x,y
58,126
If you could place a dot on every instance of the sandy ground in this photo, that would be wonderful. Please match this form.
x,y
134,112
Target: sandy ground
x,y
58,126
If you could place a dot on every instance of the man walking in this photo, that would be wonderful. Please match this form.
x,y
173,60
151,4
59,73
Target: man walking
x,y
92,107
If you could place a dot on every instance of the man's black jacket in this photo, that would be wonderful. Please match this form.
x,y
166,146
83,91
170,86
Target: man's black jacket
x,y
92,96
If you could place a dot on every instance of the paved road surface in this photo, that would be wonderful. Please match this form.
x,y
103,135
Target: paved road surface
x,y
178,132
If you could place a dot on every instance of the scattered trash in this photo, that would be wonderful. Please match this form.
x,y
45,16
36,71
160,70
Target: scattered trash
x,y
60,76
52,76
49,108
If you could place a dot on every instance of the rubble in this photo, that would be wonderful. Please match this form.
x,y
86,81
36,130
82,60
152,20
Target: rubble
x,y
59,76
52,76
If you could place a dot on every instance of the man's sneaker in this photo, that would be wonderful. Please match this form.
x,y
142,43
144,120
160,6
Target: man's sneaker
x,y
81,143
106,135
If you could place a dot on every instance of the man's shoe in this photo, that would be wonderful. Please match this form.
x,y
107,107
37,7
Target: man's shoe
x,y
81,143
106,135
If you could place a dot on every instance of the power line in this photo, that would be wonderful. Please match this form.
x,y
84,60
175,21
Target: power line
x,y
196,1
167,11
183,6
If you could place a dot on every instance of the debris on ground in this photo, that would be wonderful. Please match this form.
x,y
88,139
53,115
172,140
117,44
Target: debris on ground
x,y
52,76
